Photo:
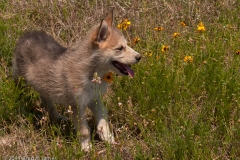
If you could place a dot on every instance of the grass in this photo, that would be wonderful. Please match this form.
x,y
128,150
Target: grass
x,y
171,109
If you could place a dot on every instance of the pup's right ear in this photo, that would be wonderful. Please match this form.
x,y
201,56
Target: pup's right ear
x,y
102,31
109,19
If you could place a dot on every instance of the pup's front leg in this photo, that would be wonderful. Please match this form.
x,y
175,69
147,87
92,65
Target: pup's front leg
x,y
101,118
82,128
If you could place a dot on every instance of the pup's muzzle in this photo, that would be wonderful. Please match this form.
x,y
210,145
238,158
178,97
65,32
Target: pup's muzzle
x,y
138,57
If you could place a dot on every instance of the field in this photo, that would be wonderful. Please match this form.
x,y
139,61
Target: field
x,y
183,103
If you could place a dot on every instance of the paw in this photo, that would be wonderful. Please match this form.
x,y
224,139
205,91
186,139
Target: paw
x,y
106,135
85,145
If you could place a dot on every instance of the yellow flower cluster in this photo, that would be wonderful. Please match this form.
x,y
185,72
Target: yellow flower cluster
x,y
183,24
136,40
124,24
176,34
201,27
188,59
158,28
149,54
238,52
165,48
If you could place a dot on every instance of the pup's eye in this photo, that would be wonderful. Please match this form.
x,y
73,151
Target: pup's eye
x,y
120,48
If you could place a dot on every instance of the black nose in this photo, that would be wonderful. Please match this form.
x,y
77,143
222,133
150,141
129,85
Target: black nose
x,y
138,57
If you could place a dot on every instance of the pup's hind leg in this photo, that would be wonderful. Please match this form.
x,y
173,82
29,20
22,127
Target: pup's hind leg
x,y
54,116
101,117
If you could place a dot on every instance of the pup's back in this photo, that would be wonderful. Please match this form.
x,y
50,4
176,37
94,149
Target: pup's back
x,y
37,50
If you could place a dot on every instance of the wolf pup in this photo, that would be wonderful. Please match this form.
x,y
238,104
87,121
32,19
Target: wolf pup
x,y
64,75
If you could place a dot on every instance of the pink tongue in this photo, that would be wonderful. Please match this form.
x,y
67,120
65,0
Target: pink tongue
x,y
129,70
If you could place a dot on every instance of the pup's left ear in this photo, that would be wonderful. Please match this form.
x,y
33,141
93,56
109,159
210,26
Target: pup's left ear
x,y
103,31
109,18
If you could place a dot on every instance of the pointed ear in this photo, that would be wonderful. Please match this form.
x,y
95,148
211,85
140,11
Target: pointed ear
x,y
109,18
103,31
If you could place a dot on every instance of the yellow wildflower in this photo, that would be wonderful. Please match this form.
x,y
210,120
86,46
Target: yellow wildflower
x,y
158,28
108,77
201,27
188,59
176,34
124,24
183,24
165,48
157,57
238,52
149,54
136,40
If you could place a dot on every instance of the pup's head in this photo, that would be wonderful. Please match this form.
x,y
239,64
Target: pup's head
x,y
114,52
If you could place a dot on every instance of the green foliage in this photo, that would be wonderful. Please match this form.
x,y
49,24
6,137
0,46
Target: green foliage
x,y
187,106
15,98
9,96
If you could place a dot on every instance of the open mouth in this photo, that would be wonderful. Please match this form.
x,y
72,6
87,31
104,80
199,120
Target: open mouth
x,y
124,68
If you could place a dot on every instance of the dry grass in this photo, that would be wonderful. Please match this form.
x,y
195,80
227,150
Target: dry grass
x,y
22,138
